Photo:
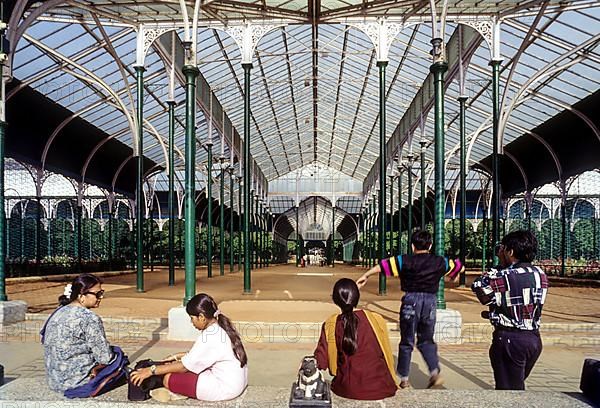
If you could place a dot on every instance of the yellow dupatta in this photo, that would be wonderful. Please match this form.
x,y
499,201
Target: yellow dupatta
x,y
379,328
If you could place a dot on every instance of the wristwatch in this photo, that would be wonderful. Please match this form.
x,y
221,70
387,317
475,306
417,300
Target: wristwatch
x,y
153,369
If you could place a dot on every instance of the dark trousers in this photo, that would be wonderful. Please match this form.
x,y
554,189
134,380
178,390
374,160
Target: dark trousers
x,y
513,355
417,317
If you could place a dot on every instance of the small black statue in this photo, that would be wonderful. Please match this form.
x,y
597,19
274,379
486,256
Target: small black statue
x,y
311,384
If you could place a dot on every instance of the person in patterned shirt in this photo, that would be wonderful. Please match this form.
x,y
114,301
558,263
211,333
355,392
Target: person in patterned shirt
x,y
515,296
73,336
420,275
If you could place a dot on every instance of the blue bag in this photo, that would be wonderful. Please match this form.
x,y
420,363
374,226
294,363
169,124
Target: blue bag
x,y
107,379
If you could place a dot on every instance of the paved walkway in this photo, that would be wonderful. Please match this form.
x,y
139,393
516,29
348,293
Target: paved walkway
x,y
288,294
463,367
282,283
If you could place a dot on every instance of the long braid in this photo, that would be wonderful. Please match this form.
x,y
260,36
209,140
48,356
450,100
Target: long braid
x,y
350,321
236,341
346,295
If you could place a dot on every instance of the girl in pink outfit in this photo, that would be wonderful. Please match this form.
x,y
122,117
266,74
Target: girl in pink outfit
x,y
215,369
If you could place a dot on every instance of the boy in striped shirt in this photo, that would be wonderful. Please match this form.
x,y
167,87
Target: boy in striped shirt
x,y
420,275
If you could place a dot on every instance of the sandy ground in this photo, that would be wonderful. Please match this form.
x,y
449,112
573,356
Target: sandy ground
x,y
283,293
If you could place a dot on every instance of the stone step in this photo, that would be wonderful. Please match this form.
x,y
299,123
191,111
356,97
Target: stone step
x,y
34,393
118,330
135,330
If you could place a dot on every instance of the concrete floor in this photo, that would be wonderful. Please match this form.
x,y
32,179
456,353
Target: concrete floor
x,y
283,283
463,367
289,294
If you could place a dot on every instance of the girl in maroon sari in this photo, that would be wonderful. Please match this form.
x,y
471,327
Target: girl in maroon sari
x,y
354,347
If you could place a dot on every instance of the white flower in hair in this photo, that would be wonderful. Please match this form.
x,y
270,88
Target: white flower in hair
x,y
68,290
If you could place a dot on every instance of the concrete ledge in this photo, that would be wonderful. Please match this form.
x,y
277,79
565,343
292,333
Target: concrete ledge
x,y
12,311
120,330
448,327
180,326
33,393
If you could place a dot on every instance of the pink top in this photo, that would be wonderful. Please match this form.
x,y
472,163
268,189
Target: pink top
x,y
220,376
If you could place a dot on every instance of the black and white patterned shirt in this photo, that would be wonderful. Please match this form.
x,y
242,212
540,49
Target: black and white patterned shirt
x,y
515,295
74,342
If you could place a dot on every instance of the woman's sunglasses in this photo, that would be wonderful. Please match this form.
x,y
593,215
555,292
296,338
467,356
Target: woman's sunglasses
x,y
99,294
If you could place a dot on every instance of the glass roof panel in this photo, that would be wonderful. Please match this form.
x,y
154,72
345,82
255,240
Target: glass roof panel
x,y
283,125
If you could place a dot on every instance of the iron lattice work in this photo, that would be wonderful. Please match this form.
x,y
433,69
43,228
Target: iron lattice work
x,y
564,219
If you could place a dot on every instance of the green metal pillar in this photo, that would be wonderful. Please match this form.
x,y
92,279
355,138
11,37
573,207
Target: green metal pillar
x,y
240,226
463,187
78,212
256,229
171,193
258,232
485,237
409,225
392,252
382,173
38,232
90,247
222,221
191,74
209,229
333,236
438,68
374,241
49,251
563,230
231,176
495,155
270,247
551,228
422,181
21,233
368,235
399,210
364,241
151,239
139,191
262,235
3,222
251,229
594,235
297,237
247,209
3,228
110,239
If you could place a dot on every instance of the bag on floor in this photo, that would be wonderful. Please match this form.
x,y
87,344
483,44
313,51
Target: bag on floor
x,y
106,379
142,392
590,380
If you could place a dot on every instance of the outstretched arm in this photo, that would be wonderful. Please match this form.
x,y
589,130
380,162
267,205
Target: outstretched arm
x,y
362,281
